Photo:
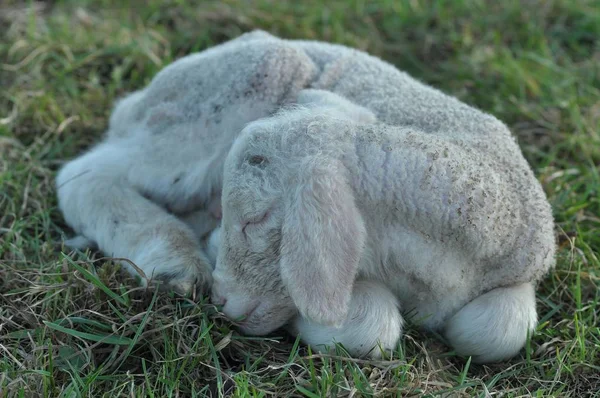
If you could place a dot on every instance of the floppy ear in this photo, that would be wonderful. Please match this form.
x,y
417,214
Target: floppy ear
x,y
323,237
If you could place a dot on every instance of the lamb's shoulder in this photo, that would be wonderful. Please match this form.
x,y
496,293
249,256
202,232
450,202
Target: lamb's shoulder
x,y
219,89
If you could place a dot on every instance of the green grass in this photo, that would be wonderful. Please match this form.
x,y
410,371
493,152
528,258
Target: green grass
x,y
71,324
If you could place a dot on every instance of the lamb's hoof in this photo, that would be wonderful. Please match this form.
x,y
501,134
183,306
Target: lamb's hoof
x,y
183,284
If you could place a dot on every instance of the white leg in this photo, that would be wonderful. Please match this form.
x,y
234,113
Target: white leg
x,y
210,246
494,326
100,204
374,324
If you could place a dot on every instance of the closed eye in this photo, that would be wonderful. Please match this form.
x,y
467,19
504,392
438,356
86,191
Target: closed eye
x,y
257,222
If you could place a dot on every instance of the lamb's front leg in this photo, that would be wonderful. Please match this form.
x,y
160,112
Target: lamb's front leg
x,y
373,324
101,204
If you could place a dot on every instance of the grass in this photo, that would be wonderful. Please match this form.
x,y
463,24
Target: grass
x,y
71,324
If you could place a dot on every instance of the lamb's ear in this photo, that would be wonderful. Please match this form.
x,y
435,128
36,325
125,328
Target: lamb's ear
x,y
323,237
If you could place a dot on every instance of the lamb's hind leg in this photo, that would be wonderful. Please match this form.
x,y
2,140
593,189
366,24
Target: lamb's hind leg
x,y
494,326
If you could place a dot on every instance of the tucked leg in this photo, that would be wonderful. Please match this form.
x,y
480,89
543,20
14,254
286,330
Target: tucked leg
x,y
102,206
494,326
373,324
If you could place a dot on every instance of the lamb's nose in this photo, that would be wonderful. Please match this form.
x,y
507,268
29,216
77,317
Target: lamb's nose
x,y
239,308
216,297
219,300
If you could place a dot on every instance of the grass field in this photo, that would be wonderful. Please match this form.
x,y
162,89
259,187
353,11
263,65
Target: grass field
x,y
71,324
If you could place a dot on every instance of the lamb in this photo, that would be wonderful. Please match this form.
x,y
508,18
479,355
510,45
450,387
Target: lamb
x,y
348,189
152,188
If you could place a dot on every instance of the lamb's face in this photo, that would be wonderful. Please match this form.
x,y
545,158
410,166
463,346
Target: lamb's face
x,y
291,235
247,280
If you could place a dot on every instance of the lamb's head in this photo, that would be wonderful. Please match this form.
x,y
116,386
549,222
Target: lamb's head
x,y
248,283
291,237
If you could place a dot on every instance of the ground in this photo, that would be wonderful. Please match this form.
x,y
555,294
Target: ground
x,y
72,324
